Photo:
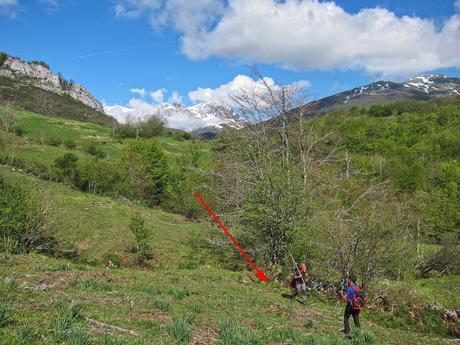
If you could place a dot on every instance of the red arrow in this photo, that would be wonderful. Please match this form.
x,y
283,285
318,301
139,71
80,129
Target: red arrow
x,y
259,273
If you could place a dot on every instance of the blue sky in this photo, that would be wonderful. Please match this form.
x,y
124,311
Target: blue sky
x,y
113,46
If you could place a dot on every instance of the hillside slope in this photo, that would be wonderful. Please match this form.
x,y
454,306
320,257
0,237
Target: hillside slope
x,y
180,297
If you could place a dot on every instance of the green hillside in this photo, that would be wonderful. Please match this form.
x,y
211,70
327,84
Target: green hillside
x,y
15,93
102,279
180,293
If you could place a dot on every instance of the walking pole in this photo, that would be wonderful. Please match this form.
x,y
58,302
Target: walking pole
x,y
297,268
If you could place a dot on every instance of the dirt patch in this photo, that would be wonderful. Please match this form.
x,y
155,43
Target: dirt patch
x,y
157,315
204,336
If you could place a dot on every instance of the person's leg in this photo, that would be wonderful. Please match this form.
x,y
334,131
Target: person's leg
x,y
295,291
346,317
304,292
356,319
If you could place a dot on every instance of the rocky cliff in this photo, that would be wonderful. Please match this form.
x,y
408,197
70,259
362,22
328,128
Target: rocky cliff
x,y
38,75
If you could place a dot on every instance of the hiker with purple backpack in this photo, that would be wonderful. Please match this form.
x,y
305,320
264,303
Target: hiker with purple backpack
x,y
355,299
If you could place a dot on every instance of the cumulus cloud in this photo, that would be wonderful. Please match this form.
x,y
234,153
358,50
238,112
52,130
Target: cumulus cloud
x,y
241,83
140,92
308,34
9,8
158,95
175,98
199,115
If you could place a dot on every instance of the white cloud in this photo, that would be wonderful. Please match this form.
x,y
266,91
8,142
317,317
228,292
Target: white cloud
x,y
175,98
52,5
140,92
158,95
241,83
134,8
457,4
308,34
9,8
198,115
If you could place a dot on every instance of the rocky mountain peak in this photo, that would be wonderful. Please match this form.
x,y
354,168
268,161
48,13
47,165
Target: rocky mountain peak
x,y
39,75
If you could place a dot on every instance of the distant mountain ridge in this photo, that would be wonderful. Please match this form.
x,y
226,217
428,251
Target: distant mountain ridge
x,y
417,88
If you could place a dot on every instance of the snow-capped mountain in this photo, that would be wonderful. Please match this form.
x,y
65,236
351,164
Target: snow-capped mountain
x,y
200,118
421,87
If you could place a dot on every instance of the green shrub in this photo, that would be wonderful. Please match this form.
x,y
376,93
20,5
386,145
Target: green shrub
x,y
3,57
63,325
26,336
285,334
70,144
78,337
230,333
197,308
53,141
179,293
362,337
23,223
141,235
18,131
6,313
95,285
181,329
162,305
65,168
94,150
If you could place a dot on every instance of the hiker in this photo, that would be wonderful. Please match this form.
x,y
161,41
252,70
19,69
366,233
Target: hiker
x,y
299,278
354,297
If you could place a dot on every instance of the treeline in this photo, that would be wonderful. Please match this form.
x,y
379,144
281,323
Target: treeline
x,y
154,126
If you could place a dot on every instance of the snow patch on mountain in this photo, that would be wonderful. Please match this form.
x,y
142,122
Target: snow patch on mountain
x,y
209,115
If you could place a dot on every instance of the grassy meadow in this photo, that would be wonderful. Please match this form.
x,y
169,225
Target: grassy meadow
x,y
92,291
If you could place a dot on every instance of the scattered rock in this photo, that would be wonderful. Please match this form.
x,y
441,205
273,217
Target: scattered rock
x,y
452,315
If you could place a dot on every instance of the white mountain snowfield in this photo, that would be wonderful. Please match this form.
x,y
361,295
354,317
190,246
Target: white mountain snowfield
x,y
203,115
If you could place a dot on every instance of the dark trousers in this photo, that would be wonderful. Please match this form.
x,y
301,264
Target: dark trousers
x,y
346,318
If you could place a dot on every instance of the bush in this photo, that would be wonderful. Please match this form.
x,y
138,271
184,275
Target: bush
x,y
95,285
65,168
146,170
141,235
3,57
18,131
162,305
6,313
23,222
70,144
230,333
40,63
380,110
94,150
181,329
53,141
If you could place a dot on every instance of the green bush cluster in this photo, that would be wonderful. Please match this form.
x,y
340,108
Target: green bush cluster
x,y
23,222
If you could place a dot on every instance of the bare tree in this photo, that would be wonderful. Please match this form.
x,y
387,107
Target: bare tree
x,y
8,117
